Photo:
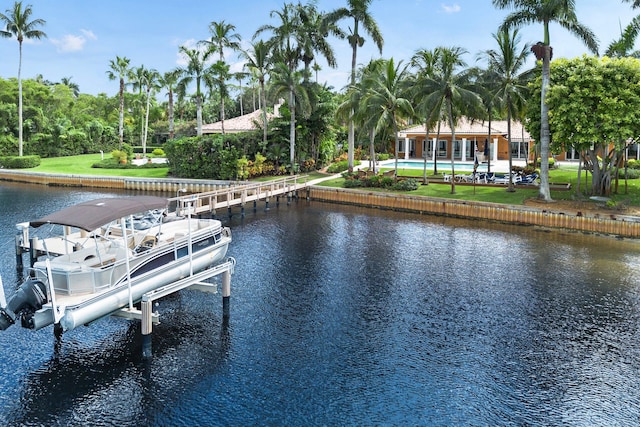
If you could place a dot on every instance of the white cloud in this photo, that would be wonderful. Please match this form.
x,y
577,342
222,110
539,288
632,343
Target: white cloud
x,y
73,42
454,8
88,34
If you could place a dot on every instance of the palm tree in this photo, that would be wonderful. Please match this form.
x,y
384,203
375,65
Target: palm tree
x,y
194,71
634,3
388,99
286,81
453,88
169,80
240,76
312,34
425,62
19,25
624,46
358,10
216,77
120,70
151,84
357,108
258,60
284,44
222,37
511,85
562,12
71,85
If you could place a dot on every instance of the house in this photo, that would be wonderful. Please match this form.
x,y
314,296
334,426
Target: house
x,y
470,136
245,123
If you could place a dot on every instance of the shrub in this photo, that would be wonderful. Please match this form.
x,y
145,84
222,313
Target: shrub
x,y
406,185
353,183
387,181
119,155
337,167
382,156
630,174
633,164
243,168
16,162
158,152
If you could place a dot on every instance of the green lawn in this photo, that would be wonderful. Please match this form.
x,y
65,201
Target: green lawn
x,y
81,165
498,194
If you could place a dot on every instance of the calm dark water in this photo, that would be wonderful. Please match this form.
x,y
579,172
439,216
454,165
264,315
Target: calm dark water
x,y
344,316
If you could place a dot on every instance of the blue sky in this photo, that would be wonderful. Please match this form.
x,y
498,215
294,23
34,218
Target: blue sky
x,y
84,35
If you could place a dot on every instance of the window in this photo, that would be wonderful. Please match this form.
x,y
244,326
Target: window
x,y
442,148
457,149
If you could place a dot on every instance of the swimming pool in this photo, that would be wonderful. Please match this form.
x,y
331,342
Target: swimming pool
x,y
442,165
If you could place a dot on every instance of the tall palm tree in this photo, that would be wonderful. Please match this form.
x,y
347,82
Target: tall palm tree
x,y
169,81
71,85
223,36
283,80
259,62
562,12
624,46
426,64
312,34
139,77
358,11
194,72
506,63
19,25
453,87
120,70
151,84
634,3
284,42
216,77
388,95
355,106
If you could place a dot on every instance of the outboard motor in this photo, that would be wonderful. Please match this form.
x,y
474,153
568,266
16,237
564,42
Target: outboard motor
x,y
25,301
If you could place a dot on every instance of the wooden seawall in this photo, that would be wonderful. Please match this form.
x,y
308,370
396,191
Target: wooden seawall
x,y
238,194
617,225
113,182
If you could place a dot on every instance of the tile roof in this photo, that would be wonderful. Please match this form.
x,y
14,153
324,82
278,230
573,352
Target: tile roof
x,y
248,122
468,127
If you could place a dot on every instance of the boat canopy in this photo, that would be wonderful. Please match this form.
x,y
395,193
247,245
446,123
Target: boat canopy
x,y
96,213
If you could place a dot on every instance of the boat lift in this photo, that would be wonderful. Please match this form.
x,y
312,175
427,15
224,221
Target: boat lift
x,y
194,282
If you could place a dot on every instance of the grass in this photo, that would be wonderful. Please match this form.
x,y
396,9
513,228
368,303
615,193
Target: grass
x,y
498,194
81,165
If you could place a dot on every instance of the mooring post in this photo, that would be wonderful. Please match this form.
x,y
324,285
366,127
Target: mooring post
x,y
147,328
288,198
266,204
33,253
278,201
242,210
19,264
229,211
226,291
255,206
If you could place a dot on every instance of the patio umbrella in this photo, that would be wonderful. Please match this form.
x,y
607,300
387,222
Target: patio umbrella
x,y
475,170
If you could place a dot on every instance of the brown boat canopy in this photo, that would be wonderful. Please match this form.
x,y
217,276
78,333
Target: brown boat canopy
x,y
96,213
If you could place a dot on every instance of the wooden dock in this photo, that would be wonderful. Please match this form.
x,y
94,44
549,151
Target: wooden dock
x,y
239,195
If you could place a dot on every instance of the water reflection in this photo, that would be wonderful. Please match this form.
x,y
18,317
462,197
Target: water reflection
x,y
345,316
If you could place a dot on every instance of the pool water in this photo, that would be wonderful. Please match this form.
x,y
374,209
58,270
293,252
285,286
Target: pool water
x,y
443,165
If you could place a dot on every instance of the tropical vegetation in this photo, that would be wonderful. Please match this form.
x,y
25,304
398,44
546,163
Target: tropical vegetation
x,y
316,124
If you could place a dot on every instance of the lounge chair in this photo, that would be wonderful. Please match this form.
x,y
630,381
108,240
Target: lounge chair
x,y
529,179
